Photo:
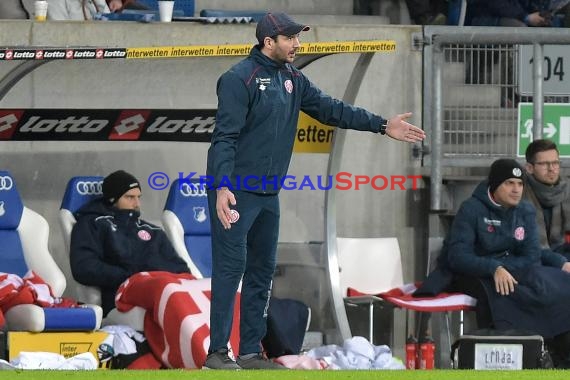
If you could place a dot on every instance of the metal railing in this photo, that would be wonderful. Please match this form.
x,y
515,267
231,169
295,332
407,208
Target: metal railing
x,y
471,94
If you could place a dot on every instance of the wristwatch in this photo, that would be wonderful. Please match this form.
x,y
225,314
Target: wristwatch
x,y
383,127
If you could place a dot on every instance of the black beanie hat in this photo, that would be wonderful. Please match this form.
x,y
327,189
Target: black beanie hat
x,y
118,183
501,170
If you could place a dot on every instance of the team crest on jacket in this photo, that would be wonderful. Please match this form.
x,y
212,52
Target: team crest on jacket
x,y
234,216
289,86
519,233
144,235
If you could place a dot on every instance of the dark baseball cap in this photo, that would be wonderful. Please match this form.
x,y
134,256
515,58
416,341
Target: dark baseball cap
x,y
273,24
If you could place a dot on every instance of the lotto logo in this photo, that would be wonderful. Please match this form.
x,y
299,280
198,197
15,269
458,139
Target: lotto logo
x,y
130,125
9,123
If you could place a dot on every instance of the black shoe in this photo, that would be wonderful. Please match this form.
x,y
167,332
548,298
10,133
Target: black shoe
x,y
220,360
258,362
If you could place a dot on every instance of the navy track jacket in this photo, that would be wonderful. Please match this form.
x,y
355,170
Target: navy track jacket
x,y
109,245
258,108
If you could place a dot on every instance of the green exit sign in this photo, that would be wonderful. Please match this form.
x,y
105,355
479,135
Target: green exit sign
x,y
556,126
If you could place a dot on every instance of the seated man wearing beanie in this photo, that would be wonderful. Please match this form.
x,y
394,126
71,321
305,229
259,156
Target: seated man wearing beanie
x,y
492,253
110,242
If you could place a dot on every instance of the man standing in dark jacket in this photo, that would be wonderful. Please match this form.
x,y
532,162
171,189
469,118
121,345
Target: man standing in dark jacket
x,y
259,100
110,242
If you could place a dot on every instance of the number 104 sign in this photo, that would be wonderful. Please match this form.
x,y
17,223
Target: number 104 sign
x,y
556,59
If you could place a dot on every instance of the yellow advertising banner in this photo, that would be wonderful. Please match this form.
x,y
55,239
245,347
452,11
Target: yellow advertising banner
x,y
146,52
187,51
312,136
67,344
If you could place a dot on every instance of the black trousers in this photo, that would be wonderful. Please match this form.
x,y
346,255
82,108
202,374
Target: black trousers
x,y
473,287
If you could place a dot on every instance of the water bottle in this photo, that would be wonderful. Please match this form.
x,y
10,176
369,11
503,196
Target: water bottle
x,y
427,353
411,352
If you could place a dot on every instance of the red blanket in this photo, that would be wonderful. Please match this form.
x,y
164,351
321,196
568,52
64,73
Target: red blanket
x,y
177,322
402,297
30,289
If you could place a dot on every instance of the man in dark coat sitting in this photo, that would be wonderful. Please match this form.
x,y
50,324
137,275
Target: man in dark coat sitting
x,y
110,242
492,253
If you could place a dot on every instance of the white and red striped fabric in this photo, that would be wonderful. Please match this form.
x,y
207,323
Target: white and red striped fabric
x,y
402,297
177,322
30,289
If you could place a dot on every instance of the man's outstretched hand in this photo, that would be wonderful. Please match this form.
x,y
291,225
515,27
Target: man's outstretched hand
x,y
399,129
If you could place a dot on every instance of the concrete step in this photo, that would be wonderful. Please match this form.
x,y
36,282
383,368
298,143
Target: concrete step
x,y
456,55
314,7
477,141
489,128
454,72
479,147
488,114
479,130
467,95
340,19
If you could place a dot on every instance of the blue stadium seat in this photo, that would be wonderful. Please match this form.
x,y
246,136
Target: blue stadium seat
x,y
24,236
79,191
255,15
457,10
186,220
185,6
